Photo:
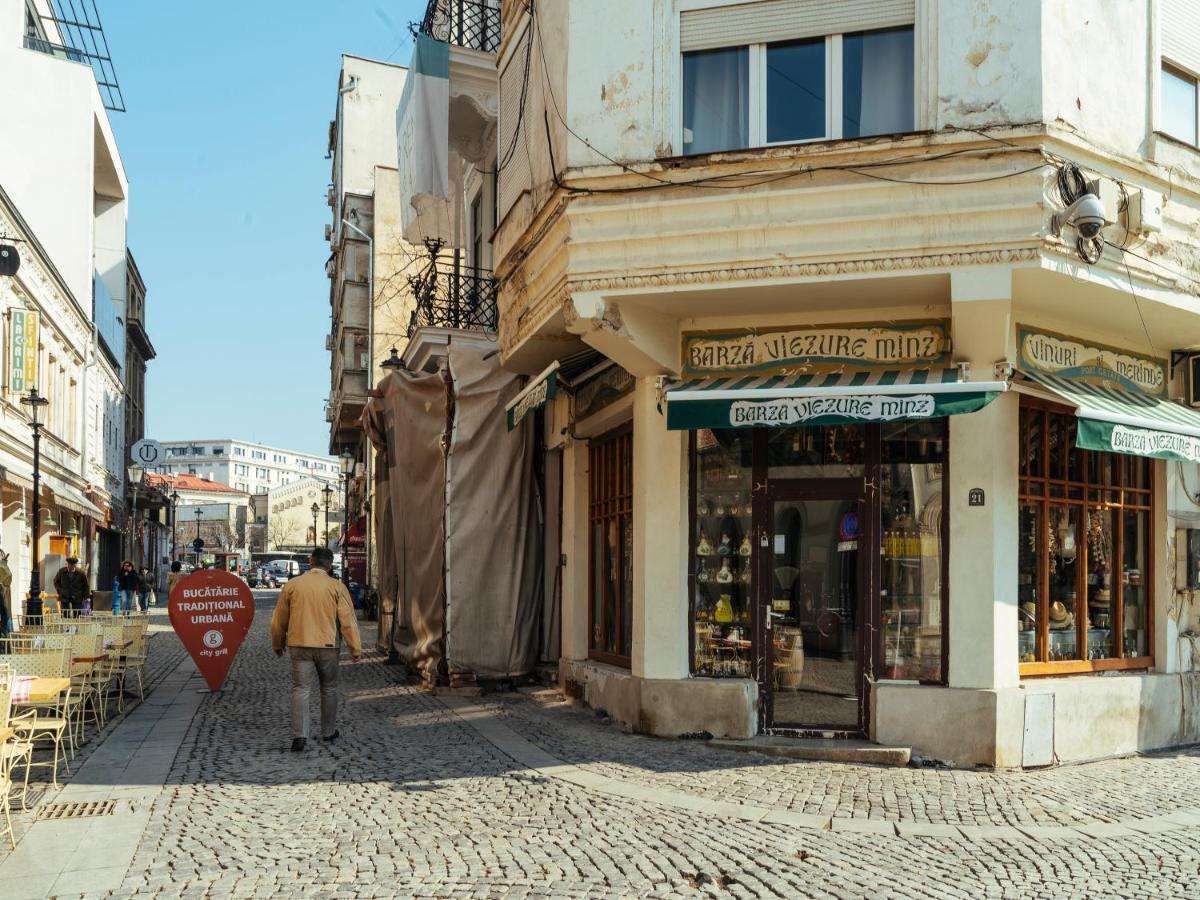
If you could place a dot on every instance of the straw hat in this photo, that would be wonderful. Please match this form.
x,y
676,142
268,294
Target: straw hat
x,y
1058,612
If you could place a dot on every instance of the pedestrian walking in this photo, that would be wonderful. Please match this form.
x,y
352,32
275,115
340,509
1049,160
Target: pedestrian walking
x,y
127,589
312,608
72,587
145,588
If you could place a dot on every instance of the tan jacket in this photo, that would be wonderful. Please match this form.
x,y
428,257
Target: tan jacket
x,y
310,609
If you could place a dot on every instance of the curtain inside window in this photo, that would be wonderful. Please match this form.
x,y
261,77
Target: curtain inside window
x,y
716,95
877,71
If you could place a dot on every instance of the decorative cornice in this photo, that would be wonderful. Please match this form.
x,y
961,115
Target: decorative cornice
x,y
810,269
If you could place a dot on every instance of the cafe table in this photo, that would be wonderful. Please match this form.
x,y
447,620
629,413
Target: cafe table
x,y
43,690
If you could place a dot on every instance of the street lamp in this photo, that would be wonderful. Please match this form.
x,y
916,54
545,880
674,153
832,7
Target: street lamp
x,y
174,502
327,492
33,603
136,474
199,513
347,463
316,511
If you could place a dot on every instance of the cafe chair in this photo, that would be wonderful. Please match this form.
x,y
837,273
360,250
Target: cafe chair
x,y
50,718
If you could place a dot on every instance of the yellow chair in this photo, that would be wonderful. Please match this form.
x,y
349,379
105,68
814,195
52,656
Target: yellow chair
x,y
50,718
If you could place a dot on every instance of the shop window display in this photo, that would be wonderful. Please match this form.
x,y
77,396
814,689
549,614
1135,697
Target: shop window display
x,y
722,558
912,459
1083,544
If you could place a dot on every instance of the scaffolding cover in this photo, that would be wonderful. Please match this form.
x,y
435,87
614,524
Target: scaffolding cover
x,y
493,536
407,423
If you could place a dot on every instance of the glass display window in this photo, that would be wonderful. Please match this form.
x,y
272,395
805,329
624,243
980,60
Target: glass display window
x,y
722,557
912,555
1083,546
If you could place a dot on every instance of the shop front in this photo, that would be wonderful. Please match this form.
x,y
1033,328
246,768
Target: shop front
x,y
818,527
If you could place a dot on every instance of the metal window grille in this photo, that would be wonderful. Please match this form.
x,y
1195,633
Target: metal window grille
x,y
464,23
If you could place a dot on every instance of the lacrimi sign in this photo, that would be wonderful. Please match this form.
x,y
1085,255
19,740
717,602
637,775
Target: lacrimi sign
x,y
1067,357
822,348
24,334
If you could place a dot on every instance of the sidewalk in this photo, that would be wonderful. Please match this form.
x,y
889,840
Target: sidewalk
x,y
91,855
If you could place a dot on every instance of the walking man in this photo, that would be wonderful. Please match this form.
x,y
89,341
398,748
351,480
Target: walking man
x,y
72,587
312,608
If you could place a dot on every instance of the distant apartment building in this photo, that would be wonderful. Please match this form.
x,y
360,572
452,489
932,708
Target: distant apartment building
x,y
245,466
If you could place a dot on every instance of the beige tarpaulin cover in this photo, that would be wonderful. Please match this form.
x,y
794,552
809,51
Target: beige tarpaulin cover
x,y
493,537
406,424
457,530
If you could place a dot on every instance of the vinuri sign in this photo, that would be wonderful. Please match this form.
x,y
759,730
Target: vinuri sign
x,y
1067,357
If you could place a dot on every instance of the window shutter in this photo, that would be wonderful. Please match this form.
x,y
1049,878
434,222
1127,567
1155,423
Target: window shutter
x,y
515,177
783,20
1180,33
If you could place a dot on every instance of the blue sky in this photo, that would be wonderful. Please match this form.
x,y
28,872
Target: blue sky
x,y
224,145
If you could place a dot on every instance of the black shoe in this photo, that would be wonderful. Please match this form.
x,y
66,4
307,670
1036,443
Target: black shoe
x,y
298,744
333,737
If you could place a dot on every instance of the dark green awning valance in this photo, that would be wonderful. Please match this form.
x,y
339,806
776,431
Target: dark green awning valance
x,y
1115,420
878,395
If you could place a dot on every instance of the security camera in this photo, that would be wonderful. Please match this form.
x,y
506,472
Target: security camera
x,y
1085,215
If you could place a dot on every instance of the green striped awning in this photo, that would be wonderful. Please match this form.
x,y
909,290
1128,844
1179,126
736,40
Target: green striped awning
x,y
536,394
878,395
1119,421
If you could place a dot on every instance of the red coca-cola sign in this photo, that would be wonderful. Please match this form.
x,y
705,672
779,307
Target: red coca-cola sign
x,y
211,611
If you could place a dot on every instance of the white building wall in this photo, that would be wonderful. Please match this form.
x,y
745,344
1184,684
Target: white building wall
x,y
265,467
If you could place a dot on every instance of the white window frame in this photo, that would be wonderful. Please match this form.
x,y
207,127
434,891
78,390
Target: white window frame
x,y
834,93
1184,72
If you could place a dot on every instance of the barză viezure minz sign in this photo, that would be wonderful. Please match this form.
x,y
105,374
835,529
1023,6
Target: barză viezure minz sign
x,y
863,346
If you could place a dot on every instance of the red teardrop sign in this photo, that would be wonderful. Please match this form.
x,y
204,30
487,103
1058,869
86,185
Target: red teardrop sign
x,y
211,611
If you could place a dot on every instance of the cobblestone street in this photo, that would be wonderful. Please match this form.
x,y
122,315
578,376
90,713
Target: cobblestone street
x,y
524,796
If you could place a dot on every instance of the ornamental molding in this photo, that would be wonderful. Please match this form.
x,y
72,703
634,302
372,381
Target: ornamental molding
x,y
811,269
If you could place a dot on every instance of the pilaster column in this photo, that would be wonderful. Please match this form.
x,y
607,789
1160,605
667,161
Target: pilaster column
x,y
983,454
575,546
660,531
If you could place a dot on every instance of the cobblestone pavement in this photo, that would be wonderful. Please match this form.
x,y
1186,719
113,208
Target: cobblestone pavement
x,y
1107,791
419,799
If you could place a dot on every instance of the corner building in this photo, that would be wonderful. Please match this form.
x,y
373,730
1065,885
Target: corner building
x,y
858,435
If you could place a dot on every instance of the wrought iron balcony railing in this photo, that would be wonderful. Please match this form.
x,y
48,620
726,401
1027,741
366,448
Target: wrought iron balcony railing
x,y
474,24
453,296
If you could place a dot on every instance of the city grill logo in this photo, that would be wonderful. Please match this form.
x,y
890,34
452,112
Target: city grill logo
x,y
1149,443
1057,355
919,344
873,408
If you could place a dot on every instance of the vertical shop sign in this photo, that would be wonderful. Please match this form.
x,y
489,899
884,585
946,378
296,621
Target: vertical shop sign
x,y
23,350
211,610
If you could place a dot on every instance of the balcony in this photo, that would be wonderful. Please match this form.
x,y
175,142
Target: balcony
x,y
33,42
463,23
453,296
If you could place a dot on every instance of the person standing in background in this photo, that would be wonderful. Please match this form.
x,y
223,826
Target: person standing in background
x,y
146,588
72,587
128,582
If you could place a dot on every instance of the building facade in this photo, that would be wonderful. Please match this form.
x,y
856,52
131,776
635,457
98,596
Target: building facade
x,y
290,517
859,336
64,202
245,466
369,265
